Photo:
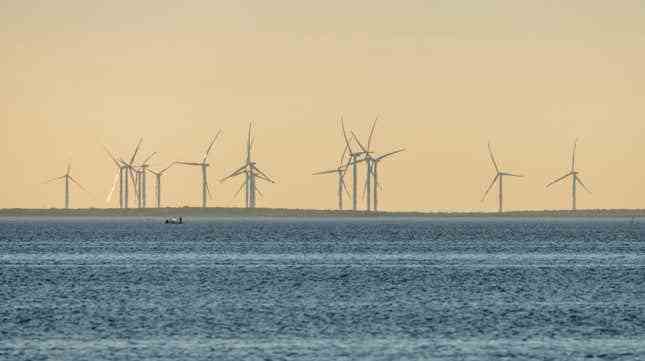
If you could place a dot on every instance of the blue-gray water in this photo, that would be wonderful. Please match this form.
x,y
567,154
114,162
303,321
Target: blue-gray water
x,y
343,289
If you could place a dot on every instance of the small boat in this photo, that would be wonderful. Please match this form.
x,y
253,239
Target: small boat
x,y
174,220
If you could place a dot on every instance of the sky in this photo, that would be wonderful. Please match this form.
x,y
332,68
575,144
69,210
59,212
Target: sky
x,y
443,78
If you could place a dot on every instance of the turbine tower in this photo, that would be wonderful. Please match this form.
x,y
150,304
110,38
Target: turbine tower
x,y
575,178
251,174
499,178
340,171
67,178
205,189
158,183
141,181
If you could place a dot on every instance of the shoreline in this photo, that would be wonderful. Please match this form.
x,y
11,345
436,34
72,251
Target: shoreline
x,y
309,213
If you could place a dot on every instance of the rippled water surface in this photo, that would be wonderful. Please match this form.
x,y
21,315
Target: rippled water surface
x,y
331,289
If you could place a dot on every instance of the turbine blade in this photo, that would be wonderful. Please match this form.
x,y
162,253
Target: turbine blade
x,y
79,184
389,154
248,139
69,168
582,184
53,179
492,158
239,190
359,143
136,150
346,190
365,188
261,177
490,186
573,155
342,123
257,189
165,169
369,140
235,173
342,157
327,172
210,146
147,159
111,156
109,197
514,175
559,179
189,163
208,190
262,173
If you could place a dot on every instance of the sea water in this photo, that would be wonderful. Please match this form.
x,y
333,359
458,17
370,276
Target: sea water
x,y
322,289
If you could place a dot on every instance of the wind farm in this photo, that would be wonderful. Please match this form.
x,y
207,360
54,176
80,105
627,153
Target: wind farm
x,y
358,177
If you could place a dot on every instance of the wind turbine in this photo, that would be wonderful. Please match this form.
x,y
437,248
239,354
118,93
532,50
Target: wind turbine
x,y
499,177
158,183
340,171
251,172
67,178
377,185
123,169
575,178
372,169
204,166
353,160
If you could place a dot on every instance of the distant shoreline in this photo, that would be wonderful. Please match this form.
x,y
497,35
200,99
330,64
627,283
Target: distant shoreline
x,y
306,213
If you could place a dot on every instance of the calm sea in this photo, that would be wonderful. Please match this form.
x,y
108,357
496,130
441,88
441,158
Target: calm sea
x,y
330,289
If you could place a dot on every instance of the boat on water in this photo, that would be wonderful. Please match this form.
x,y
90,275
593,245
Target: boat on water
x,y
174,220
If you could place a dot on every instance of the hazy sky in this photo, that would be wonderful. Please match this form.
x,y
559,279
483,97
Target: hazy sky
x,y
444,77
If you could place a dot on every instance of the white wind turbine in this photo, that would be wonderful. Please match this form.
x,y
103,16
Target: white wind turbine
x,y
499,177
575,178
67,178
340,171
124,172
372,169
377,185
158,176
205,189
354,158
251,172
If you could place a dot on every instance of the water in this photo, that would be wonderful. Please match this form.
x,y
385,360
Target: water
x,y
331,289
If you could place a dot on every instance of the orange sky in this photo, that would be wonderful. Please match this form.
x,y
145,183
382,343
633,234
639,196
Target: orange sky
x,y
444,77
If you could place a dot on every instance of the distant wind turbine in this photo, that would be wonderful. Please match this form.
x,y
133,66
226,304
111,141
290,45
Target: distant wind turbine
x,y
158,183
124,172
499,177
251,172
377,185
204,166
67,178
372,169
353,160
575,178
340,171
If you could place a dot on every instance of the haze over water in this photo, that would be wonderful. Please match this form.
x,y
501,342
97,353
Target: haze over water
x,y
294,289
